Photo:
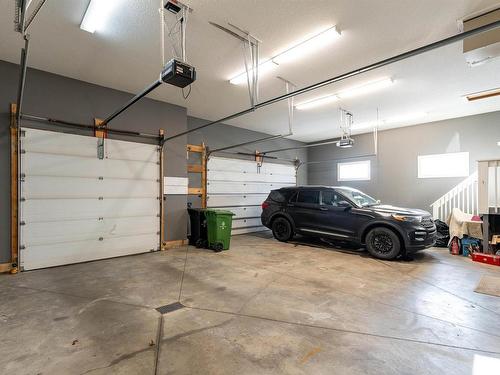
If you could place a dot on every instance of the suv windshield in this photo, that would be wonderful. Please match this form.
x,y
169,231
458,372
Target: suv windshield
x,y
358,197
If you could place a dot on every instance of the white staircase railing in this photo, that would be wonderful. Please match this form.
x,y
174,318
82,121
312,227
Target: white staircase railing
x,y
463,196
489,186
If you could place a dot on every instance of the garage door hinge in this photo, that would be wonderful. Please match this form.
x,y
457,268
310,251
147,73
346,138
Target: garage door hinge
x,y
101,218
22,223
22,133
22,199
158,233
101,238
101,178
22,151
22,247
101,198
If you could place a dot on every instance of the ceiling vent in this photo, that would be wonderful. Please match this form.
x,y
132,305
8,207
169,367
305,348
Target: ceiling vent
x,y
483,47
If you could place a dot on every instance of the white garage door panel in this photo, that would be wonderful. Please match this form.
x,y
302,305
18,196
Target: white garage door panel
x,y
232,165
249,177
71,209
239,186
75,207
83,251
131,151
74,166
245,212
42,141
235,200
242,223
38,187
39,233
225,187
248,230
58,143
273,168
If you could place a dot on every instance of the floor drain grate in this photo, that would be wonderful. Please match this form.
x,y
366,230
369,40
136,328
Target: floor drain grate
x,y
169,308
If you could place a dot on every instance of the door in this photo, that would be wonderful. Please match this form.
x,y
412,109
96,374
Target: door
x,y
241,186
306,210
77,207
338,219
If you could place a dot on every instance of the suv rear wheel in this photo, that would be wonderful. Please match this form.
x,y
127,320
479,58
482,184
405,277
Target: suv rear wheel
x,y
282,229
383,243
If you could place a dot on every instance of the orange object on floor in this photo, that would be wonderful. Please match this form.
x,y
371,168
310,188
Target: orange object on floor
x,y
486,258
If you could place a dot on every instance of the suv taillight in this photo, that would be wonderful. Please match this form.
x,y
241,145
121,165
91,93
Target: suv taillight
x,y
265,205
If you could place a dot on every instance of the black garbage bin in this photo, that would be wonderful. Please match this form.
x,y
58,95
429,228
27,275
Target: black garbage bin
x,y
198,223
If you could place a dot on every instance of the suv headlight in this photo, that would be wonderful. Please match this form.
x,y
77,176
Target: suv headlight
x,y
411,219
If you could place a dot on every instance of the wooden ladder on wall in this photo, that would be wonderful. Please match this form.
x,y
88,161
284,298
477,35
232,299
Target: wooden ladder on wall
x,y
199,168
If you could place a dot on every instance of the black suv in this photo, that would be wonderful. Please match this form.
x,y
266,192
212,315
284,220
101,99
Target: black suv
x,y
343,213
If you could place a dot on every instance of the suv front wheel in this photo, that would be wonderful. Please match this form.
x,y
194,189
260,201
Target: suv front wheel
x,y
383,243
282,229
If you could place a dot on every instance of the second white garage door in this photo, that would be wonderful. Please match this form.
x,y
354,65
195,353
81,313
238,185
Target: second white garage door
x,y
241,187
76,207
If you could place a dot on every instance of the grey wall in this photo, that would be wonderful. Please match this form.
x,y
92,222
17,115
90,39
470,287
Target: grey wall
x,y
51,95
222,135
394,170
68,99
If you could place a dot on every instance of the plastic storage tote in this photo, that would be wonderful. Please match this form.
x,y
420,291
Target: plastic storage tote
x,y
219,229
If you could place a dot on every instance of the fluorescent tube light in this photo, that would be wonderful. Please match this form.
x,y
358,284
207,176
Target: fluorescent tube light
x,y
317,102
389,121
357,90
365,88
97,14
264,68
307,46
298,50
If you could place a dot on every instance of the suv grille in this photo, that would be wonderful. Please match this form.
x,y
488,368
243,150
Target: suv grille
x,y
427,223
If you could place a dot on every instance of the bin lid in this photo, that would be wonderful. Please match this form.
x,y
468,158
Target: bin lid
x,y
219,212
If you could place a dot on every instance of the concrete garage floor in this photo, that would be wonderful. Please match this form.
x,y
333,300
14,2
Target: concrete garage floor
x,y
261,308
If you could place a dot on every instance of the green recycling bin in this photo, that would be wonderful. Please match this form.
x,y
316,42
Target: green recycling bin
x,y
219,229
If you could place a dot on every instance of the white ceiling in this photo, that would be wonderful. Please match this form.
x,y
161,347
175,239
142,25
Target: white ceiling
x,y
125,55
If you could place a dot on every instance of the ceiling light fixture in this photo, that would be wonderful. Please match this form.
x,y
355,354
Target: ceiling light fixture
x,y
298,50
264,68
308,45
317,102
390,120
366,88
347,93
483,94
96,14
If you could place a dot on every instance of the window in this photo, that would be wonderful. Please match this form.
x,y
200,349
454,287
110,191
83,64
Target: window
x,y
354,171
443,165
330,198
308,196
359,197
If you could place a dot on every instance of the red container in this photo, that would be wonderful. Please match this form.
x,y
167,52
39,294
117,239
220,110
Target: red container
x,y
486,258
454,247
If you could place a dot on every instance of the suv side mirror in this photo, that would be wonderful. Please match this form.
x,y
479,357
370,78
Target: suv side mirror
x,y
344,204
